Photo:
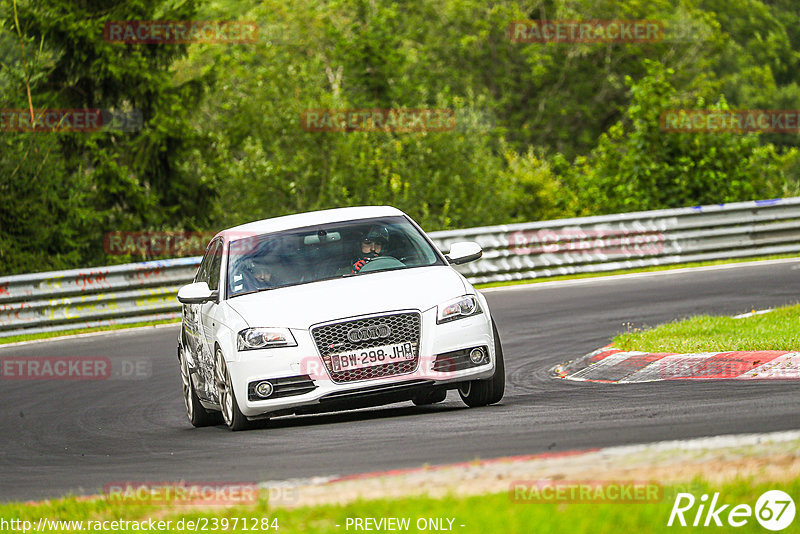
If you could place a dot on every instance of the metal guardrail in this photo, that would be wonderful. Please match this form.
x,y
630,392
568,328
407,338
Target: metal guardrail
x,y
631,240
80,298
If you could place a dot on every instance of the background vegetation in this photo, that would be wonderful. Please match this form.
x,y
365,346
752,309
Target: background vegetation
x,y
543,131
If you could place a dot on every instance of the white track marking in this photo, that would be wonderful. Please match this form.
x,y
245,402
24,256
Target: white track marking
x,y
752,313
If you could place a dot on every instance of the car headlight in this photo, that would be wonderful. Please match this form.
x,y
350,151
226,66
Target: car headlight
x,y
458,308
265,338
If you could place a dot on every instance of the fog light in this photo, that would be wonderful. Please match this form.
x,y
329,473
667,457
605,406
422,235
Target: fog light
x,y
264,389
476,355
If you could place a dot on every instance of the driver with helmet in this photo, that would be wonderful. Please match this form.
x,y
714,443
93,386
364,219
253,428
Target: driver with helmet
x,y
373,244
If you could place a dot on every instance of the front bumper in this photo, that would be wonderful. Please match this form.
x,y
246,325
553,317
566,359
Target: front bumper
x,y
304,361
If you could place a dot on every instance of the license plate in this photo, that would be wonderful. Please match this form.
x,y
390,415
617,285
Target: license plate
x,y
399,352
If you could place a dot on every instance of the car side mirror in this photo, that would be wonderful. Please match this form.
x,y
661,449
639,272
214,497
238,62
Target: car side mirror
x,y
464,252
196,293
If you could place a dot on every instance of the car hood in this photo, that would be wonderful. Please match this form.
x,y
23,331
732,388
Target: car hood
x,y
304,305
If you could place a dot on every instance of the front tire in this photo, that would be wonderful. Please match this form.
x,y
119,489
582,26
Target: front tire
x,y
198,415
234,418
484,392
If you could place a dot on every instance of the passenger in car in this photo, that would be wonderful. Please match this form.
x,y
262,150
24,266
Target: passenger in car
x,y
262,275
254,276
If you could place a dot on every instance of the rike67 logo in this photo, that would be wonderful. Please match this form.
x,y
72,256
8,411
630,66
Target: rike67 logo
x,y
774,510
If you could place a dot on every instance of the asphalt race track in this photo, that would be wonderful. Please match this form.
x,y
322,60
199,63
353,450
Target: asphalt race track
x,y
77,436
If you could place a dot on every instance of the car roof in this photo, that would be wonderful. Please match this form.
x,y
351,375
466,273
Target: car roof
x,y
300,220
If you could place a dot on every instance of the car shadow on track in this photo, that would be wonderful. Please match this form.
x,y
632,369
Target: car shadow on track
x,y
362,414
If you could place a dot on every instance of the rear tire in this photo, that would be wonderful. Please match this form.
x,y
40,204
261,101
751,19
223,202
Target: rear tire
x,y
430,397
234,418
198,415
484,392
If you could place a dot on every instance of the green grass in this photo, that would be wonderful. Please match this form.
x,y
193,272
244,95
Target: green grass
x,y
479,514
47,335
776,330
636,270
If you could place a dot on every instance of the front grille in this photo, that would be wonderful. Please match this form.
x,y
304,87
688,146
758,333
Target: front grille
x,y
333,339
283,387
456,360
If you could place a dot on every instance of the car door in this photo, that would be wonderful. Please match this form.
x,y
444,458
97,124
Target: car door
x,y
192,327
207,312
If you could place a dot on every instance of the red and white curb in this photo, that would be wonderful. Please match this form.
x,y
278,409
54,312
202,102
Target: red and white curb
x,y
611,365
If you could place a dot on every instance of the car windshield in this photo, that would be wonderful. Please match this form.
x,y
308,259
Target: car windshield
x,y
323,252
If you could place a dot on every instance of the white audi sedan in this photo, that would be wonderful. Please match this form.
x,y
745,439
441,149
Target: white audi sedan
x,y
332,310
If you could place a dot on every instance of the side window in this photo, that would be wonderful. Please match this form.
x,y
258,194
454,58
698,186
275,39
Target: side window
x,y
215,265
202,271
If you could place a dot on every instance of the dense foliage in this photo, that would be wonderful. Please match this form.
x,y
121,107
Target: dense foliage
x,y
542,131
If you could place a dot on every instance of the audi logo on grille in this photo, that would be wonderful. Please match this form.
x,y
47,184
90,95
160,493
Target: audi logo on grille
x,y
369,332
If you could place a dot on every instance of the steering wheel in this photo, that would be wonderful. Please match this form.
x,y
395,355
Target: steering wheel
x,y
381,263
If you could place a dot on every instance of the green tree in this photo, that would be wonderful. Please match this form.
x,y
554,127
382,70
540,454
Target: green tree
x,y
638,166
129,180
